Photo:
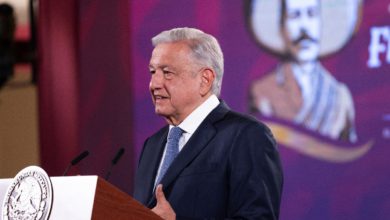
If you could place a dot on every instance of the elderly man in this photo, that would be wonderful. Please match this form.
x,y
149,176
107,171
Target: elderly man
x,y
208,162
301,89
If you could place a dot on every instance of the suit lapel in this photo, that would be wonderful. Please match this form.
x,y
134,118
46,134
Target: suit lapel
x,y
199,140
150,174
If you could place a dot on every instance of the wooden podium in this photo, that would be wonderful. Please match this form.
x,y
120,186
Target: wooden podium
x,y
89,197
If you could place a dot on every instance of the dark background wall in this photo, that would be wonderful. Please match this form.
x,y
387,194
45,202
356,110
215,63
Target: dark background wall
x,y
85,96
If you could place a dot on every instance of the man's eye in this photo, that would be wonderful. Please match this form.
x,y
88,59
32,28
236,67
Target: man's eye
x,y
168,74
152,71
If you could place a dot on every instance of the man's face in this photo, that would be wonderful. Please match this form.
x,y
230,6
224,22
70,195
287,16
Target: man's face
x,y
301,29
175,82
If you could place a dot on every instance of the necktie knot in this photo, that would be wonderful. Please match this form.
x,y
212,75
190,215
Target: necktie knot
x,y
175,134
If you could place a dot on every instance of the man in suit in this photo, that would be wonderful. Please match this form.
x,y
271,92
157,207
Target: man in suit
x,y
224,164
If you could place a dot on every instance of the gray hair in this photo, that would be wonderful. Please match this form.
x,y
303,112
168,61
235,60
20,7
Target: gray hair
x,y
205,49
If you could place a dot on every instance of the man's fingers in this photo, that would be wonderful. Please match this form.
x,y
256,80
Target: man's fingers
x,y
163,208
160,194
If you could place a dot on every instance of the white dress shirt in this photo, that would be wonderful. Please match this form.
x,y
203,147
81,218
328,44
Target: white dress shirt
x,y
192,122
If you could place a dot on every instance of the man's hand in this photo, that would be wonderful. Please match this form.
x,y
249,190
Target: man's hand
x,y
163,208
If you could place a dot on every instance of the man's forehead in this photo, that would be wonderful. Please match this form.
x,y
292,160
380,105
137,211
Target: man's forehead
x,y
301,3
169,52
176,48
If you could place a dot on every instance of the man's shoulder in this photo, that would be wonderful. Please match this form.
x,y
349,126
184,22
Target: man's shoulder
x,y
241,120
245,127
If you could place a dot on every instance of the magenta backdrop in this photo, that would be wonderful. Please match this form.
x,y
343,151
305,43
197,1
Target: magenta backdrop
x,y
314,189
85,94
94,95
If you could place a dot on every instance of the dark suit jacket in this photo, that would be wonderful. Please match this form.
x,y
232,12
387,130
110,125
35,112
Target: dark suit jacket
x,y
229,168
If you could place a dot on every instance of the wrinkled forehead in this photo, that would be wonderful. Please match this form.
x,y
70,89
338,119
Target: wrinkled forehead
x,y
301,4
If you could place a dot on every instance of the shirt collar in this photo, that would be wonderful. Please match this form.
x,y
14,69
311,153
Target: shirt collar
x,y
193,120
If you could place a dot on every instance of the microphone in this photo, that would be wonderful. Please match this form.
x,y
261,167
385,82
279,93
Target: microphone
x,y
114,161
76,160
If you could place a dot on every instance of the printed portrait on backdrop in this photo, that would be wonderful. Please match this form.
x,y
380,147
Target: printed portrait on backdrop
x,y
300,90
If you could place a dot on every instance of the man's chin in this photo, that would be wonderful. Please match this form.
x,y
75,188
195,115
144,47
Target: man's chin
x,y
160,112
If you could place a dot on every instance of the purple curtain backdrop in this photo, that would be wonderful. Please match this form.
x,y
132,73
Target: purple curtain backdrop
x,y
314,189
85,94
57,88
105,105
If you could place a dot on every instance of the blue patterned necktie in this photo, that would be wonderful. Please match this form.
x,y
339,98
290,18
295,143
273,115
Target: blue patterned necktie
x,y
172,151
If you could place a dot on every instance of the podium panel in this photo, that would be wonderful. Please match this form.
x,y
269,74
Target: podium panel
x,y
88,197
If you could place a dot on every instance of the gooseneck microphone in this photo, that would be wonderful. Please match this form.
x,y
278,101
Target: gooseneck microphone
x,y
76,160
114,161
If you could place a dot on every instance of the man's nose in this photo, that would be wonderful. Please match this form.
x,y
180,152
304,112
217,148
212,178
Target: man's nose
x,y
156,80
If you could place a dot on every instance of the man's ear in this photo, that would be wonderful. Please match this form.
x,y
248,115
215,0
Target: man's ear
x,y
207,77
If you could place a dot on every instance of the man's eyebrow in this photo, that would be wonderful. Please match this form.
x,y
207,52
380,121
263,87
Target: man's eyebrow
x,y
158,66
